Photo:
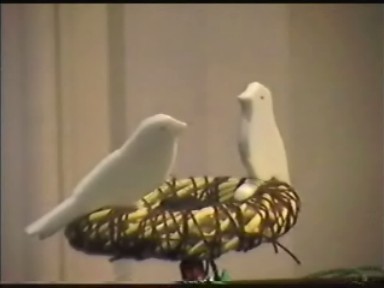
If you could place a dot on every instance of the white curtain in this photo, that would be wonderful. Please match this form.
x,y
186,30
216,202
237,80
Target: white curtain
x,y
77,78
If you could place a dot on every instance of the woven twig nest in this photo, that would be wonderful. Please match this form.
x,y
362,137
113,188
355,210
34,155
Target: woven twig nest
x,y
193,217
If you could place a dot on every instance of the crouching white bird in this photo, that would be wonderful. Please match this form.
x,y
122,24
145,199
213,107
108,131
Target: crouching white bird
x,y
261,146
139,166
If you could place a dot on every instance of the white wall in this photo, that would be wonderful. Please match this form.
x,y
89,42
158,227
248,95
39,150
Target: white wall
x,y
337,83
77,79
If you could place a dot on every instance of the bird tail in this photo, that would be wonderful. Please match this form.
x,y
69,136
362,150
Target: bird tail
x,y
54,220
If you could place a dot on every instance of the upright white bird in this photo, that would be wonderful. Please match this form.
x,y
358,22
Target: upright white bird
x,y
139,166
261,146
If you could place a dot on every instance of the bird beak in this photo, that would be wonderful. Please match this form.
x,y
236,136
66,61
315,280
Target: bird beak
x,y
244,98
181,125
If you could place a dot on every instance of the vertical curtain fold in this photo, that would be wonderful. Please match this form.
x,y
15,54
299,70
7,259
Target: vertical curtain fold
x,y
29,138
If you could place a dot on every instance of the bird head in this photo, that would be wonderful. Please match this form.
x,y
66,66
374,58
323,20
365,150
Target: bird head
x,y
256,96
164,124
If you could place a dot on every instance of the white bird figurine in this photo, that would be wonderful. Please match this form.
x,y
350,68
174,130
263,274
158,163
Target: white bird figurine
x,y
141,165
261,146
